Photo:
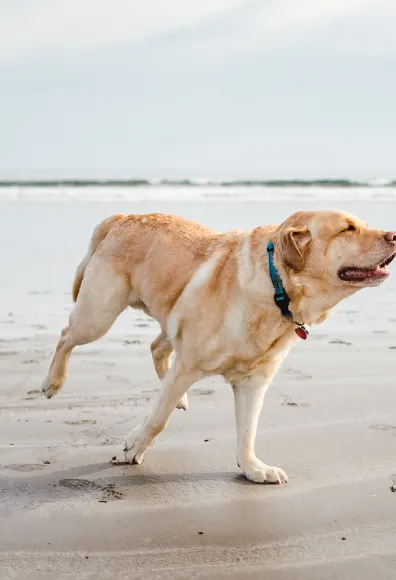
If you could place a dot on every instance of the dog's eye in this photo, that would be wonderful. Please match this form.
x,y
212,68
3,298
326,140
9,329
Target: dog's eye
x,y
350,228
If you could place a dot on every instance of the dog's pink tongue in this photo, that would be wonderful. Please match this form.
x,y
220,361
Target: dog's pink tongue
x,y
362,274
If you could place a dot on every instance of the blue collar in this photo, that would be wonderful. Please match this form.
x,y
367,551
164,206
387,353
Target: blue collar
x,y
281,298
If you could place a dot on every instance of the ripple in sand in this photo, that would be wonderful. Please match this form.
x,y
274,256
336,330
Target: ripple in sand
x,y
24,467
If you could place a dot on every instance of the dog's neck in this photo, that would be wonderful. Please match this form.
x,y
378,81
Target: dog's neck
x,y
308,303
310,299
301,297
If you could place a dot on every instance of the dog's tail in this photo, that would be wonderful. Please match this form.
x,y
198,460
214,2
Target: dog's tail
x,y
99,234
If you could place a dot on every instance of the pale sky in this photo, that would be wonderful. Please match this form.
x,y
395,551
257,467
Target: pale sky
x,y
197,88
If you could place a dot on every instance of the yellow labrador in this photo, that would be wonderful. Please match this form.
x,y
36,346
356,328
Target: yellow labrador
x,y
213,296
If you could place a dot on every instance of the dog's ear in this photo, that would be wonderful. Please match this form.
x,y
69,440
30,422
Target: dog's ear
x,y
293,243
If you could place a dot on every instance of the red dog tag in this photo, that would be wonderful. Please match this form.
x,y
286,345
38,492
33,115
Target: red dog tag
x,y
301,332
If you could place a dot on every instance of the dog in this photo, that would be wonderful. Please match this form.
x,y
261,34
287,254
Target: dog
x,y
213,296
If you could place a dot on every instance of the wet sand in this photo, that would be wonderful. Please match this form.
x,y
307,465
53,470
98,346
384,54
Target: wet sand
x,y
329,421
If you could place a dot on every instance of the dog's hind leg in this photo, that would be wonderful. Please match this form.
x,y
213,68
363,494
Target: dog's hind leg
x,y
161,350
103,296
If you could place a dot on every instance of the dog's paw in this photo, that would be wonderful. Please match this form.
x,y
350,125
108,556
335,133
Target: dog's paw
x,y
50,388
183,403
261,473
135,446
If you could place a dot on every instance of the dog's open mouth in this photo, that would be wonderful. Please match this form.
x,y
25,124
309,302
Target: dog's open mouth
x,y
375,273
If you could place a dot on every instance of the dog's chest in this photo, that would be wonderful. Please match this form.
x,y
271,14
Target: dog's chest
x,y
247,341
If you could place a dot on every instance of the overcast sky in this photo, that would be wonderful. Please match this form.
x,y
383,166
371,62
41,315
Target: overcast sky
x,y
204,88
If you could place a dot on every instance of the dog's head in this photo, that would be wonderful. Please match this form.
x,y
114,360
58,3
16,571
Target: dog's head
x,y
333,252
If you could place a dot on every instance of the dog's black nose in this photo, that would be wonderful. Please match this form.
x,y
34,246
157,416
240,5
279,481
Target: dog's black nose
x,y
390,236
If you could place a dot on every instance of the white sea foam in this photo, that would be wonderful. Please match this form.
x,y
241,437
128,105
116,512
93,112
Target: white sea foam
x,y
196,193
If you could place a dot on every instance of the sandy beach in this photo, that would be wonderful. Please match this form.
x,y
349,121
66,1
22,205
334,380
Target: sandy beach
x,y
329,420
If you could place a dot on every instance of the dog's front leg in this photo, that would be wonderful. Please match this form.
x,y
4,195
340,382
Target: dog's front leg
x,y
249,398
176,383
